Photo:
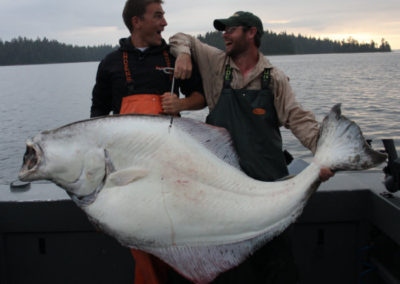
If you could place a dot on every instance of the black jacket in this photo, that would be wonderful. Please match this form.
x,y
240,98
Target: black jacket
x,y
111,84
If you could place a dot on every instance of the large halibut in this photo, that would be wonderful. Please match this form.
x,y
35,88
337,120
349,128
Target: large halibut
x,y
179,193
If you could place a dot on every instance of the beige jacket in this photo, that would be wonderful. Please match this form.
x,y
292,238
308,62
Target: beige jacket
x,y
212,62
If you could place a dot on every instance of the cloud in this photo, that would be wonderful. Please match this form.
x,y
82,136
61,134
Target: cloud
x,y
276,22
93,35
99,21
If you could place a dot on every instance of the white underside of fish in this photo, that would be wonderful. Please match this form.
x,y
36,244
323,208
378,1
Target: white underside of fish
x,y
185,205
178,192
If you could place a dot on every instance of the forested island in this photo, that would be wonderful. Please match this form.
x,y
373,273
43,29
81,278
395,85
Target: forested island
x,y
286,44
22,50
41,51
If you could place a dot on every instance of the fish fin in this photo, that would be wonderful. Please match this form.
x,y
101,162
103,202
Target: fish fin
x,y
126,176
215,139
109,164
286,178
342,146
202,264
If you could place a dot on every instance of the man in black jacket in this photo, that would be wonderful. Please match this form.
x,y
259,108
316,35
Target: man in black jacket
x,y
137,78
134,78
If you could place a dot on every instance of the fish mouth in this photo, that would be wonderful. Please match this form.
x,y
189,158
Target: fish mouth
x,y
31,161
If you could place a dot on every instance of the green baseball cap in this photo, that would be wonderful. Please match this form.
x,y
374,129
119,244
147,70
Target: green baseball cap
x,y
240,18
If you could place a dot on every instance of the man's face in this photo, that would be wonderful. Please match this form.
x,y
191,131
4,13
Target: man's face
x,y
150,26
236,41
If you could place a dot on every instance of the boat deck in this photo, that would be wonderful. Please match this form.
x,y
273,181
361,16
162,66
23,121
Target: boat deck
x,y
349,232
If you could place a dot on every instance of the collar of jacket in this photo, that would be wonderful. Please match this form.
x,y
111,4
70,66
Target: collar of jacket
x,y
254,73
126,45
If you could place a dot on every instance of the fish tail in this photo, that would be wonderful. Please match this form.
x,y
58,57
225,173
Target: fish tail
x,y
342,146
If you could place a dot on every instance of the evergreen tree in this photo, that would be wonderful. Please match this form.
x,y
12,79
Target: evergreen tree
x,y
27,51
283,43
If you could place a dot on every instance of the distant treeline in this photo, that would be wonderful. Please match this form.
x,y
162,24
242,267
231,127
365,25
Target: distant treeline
x,y
283,43
39,51
27,51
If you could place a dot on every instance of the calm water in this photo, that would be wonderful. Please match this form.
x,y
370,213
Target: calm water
x,y
39,97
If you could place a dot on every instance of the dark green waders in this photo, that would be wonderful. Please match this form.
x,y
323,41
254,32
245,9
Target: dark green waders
x,y
251,119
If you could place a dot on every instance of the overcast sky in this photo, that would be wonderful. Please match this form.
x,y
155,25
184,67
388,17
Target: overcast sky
x,y
93,22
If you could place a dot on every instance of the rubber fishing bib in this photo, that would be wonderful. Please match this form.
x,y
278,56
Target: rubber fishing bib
x,y
136,102
251,119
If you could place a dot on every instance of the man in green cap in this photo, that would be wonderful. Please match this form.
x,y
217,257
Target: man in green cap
x,y
251,99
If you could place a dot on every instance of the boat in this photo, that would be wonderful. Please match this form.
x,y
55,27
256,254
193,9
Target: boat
x,y
349,232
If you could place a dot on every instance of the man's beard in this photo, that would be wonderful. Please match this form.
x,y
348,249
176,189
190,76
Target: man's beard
x,y
239,46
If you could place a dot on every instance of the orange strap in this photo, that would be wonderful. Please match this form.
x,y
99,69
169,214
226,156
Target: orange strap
x,y
144,104
128,73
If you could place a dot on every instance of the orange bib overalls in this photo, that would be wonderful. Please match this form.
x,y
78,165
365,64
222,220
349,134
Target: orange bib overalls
x,y
148,268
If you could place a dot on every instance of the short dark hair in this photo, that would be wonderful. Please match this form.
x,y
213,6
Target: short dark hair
x,y
135,8
257,40
257,37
